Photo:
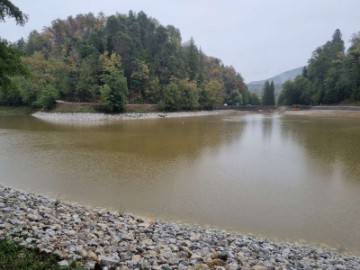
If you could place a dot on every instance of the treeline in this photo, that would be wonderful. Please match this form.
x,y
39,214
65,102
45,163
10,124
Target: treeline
x,y
331,76
119,59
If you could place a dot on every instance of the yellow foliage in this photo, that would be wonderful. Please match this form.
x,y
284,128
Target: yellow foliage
x,y
110,63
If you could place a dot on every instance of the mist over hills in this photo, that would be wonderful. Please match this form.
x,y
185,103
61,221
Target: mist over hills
x,y
257,86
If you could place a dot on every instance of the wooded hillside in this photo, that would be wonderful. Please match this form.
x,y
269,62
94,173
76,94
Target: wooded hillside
x,y
331,76
118,59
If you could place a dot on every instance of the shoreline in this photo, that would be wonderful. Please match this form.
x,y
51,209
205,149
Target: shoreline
x,y
323,113
58,117
98,117
97,236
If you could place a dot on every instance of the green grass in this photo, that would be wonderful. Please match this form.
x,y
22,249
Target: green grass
x,y
16,110
16,257
94,108
76,108
121,211
141,108
87,108
349,103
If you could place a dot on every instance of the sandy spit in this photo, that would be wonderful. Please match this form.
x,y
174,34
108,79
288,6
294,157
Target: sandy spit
x,y
95,117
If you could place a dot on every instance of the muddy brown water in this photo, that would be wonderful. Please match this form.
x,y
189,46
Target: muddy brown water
x,y
280,176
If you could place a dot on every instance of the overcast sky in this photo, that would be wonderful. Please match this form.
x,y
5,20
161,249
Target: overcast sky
x,y
260,38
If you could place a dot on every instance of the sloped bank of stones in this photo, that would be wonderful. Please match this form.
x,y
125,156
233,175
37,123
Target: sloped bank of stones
x,y
98,238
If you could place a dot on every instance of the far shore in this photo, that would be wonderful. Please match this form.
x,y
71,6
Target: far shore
x,y
100,117
323,113
93,117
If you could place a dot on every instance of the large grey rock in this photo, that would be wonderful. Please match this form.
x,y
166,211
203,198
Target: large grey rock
x,y
108,261
63,264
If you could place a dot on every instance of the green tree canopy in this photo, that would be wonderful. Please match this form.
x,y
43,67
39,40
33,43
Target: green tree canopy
x,y
114,90
331,76
8,9
254,99
268,97
10,62
73,56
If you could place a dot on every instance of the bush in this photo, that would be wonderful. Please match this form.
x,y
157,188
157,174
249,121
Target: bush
x,y
114,92
47,99
172,98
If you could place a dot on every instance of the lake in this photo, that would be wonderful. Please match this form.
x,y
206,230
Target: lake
x,y
280,176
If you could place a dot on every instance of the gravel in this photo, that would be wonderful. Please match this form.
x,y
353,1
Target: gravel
x,y
96,117
97,238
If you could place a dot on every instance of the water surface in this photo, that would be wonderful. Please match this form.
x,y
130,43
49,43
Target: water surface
x,y
289,177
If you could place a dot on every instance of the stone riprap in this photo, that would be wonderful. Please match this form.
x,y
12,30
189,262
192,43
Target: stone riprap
x,y
95,117
101,239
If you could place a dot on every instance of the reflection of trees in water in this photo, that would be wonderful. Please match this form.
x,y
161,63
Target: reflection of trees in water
x,y
157,139
19,122
267,127
148,166
167,138
328,141
115,152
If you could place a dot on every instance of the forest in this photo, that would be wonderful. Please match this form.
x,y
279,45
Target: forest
x,y
132,58
116,60
331,76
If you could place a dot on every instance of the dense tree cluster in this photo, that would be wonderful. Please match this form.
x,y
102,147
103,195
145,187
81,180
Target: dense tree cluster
x,y
331,76
118,59
268,97
10,62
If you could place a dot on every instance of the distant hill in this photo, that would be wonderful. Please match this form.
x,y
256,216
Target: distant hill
x,y
257,86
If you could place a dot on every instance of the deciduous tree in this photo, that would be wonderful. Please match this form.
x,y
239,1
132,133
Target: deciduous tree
x,y
10,62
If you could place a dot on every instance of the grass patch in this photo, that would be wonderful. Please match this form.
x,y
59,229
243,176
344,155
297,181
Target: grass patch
x,y
349,103
87,108
76,108
13,256
121,211
16,257
57,204
142,108
7,110
83,107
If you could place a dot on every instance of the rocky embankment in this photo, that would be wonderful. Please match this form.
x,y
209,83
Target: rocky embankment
x,y
93,117
100,239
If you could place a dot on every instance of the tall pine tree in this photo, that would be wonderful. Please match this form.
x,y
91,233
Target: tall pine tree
x,y
268,97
